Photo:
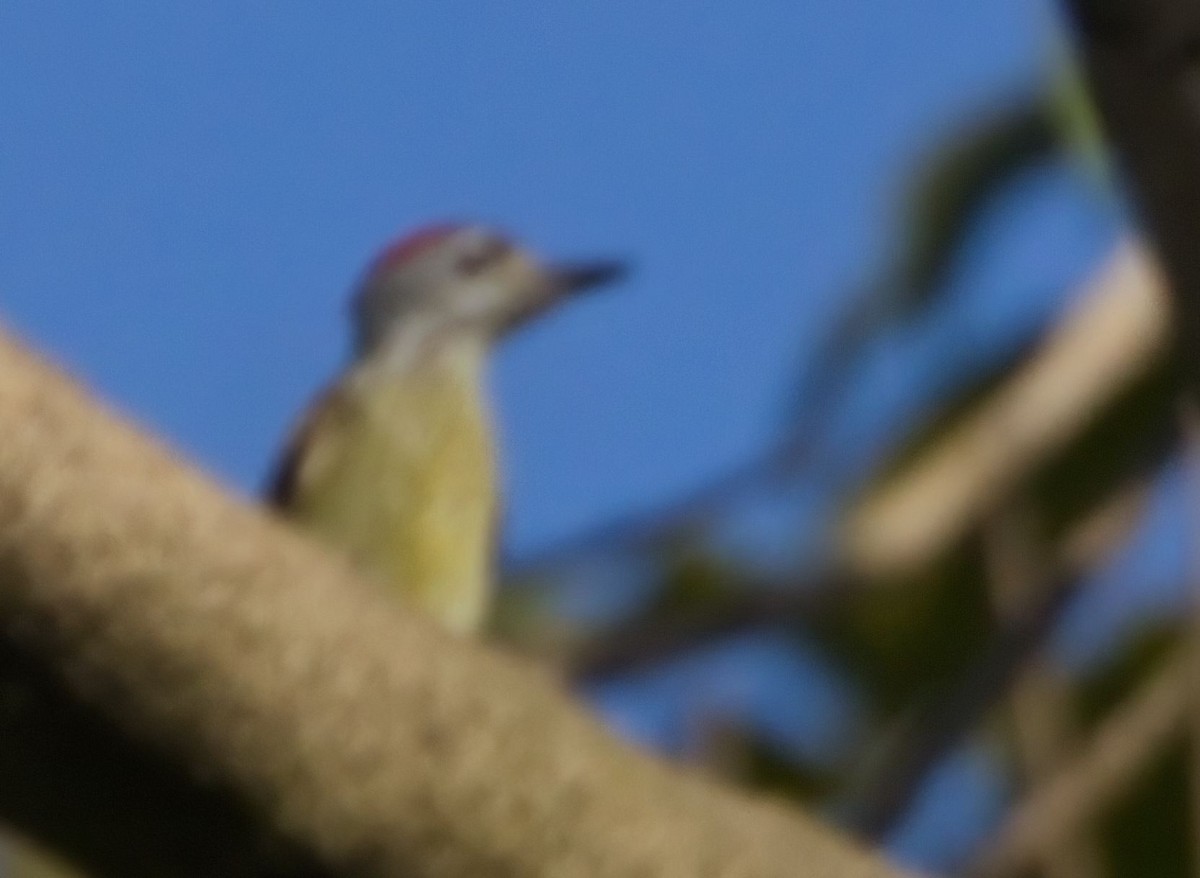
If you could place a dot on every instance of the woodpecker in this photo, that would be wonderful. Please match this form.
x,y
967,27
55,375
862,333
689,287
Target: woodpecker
x,y
395,463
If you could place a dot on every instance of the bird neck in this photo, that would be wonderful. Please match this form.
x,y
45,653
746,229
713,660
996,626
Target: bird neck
x,y
421,344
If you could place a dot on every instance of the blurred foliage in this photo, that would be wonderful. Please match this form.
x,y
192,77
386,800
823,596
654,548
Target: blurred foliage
x,y
1075,118
926,652
690,576
766,769
969,398
1146,832
949,193
1130,439
908,640
1101,691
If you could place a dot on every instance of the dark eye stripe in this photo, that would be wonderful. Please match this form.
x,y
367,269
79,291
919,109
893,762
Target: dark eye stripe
x,y
481,257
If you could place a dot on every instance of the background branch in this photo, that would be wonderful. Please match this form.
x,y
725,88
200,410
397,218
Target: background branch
x,y
1124,743
941,724
1040,708
1116,330
1142,65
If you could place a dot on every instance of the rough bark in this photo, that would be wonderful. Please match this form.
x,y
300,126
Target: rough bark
x,y
235,700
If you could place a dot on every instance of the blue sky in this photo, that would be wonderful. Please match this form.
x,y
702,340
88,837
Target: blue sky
x,y
187,193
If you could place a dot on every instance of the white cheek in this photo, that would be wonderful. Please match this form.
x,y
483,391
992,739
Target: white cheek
x,y
483,302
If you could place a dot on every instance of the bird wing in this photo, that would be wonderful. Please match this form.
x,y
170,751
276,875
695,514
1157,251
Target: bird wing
x,y
301,458
401,480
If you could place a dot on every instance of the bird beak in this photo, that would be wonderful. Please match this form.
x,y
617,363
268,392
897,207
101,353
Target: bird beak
x,y
559,281
575,278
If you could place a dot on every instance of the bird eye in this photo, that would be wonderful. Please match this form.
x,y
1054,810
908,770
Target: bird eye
x,y
479,258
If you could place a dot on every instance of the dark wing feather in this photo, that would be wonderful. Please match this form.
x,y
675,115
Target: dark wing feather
x,y
284,481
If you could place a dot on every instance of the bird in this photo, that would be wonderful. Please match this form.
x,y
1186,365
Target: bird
x,y
395,462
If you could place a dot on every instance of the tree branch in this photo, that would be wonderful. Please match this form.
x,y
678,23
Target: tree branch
x,y
210,638
1142,59
1134,734
1040,709
1115,332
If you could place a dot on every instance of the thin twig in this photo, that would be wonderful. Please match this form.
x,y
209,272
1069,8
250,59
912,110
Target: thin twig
x,y
885,796
1189,419
1133,735
633,648
1040,701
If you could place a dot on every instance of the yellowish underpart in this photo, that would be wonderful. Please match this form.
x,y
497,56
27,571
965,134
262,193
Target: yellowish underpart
x,y
400,473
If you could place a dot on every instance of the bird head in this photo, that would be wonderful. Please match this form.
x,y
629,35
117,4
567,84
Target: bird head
x,y
464,279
